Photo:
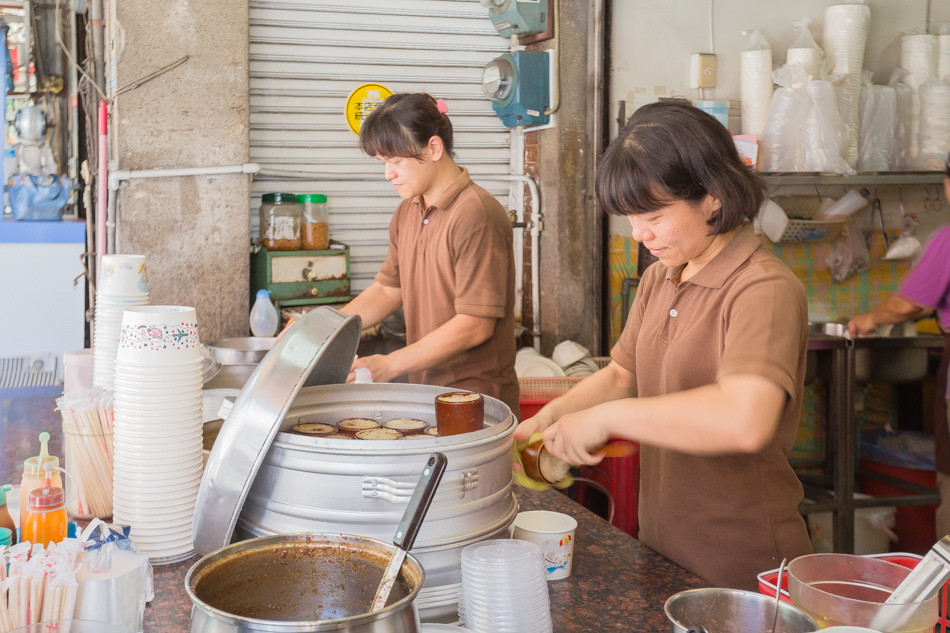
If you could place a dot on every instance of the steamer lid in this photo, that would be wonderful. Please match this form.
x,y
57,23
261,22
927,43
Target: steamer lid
x,y
316,350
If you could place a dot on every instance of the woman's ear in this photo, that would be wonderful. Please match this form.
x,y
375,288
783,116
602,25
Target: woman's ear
x,y
712,206
436,148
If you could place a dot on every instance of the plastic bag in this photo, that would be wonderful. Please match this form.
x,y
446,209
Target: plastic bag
x,y
805,51
848,255
904,99
115,580
781,144
822,133
878,120
934,138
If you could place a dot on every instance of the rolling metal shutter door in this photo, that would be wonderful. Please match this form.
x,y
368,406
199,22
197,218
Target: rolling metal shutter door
x,y
307,56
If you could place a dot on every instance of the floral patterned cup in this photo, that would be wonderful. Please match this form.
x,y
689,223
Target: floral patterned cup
x,y
554,533
158,335
123,275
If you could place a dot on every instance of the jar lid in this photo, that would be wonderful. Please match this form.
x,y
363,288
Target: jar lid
x,y
6,536
316,350
311,197
279,198
47,497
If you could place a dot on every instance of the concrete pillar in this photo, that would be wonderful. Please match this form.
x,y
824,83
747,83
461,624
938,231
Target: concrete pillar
x,y
572,242
194,231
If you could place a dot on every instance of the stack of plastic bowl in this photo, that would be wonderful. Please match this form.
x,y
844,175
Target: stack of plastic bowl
x,y
504,588
158,414
123,283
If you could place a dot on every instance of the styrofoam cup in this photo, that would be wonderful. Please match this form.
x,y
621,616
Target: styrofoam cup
x,y
554,533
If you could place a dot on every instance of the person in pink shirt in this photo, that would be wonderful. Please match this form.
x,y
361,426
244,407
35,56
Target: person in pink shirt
x,y
925,291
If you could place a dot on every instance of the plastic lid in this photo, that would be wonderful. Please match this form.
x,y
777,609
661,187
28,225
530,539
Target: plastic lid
x,y
6,536
279,198
311,197
3,493
32,466
263,293
47,497
307,354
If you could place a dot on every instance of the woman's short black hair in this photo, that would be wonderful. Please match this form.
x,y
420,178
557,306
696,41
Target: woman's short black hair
x,y
403,125
672,151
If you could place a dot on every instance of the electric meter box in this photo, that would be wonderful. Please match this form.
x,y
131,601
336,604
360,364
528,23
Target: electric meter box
x,y
518,17
519,86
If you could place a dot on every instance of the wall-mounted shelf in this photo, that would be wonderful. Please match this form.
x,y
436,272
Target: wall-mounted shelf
x,y
792,179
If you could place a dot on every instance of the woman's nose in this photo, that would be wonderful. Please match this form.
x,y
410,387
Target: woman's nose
x,y
639,230
389,173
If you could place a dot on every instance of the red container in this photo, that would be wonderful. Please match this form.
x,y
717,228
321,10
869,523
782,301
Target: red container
x,y
914,525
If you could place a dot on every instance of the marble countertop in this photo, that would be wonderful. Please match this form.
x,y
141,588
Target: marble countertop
x,y
617,584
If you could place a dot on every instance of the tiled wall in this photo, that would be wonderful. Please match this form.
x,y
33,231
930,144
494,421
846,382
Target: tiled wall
x,y
827,300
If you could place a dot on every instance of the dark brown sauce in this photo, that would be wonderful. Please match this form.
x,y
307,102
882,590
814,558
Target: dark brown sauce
x,y
295,582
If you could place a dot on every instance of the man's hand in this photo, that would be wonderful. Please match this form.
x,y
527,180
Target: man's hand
x,y
862,325
379,366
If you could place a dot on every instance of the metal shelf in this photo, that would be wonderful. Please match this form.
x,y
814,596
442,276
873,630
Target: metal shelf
x,y
792,179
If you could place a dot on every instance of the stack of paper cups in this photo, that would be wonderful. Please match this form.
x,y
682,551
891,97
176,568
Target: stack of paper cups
x,y
123,283
943,58
755,85
158,430
845,36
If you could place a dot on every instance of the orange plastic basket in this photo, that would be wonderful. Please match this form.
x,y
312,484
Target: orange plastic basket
x,y
537,392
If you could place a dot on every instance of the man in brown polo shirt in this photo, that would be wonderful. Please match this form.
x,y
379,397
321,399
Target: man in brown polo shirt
x,y
450,262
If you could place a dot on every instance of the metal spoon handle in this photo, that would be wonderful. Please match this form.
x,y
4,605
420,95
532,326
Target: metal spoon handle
x,y
419,503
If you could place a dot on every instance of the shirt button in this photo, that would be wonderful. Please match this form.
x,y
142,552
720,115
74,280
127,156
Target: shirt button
x,y
673,313
426,221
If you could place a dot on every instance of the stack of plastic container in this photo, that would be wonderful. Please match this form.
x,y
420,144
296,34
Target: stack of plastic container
x,y
504,588
845,36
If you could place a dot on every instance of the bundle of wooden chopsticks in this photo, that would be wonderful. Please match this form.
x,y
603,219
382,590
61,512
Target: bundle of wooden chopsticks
x,y
87,431
38,584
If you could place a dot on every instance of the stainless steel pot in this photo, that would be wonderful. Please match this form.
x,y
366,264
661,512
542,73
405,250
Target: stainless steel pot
x,y
314,484
730,610
298,583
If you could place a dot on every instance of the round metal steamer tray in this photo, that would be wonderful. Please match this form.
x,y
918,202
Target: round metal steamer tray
x,y
262,480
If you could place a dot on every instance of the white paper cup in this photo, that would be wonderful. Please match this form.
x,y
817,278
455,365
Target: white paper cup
x,y
554,533
123,275
158,335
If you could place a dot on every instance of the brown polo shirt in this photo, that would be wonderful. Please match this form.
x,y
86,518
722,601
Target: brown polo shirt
x,y
728,517
456,257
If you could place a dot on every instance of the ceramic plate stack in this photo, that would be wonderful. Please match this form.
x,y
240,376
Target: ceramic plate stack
x,y
846,33
504,588
158,429
123,283
530,364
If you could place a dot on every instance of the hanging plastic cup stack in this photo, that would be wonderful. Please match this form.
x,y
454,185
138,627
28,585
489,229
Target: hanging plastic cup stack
x,y
123,283
504,588
158,429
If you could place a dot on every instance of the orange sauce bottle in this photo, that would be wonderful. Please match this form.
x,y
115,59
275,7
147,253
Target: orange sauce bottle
x,y
46,520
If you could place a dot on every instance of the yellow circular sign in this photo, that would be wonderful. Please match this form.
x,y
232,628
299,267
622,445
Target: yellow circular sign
x,y
362,101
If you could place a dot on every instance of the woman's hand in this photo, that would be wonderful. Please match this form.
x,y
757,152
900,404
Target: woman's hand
x,y
575,436
862,325
540,421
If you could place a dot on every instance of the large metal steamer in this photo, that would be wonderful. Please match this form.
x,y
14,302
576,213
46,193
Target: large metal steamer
x,y
313,484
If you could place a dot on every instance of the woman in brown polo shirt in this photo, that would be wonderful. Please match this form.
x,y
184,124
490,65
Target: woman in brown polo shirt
x,y
450,262
709,371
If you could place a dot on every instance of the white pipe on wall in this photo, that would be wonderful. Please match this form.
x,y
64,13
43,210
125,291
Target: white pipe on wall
x,y
116,177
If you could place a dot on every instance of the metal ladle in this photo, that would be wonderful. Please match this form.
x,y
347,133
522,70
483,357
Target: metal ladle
x,y
778,594
408,528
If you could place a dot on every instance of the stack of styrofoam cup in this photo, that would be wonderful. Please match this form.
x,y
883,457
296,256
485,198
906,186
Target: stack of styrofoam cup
x,y
755,87
504,588
943,58
158,403
845,36
919,57
123,283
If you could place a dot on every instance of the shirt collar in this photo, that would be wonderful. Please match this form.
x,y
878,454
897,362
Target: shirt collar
x,y
717,272
445,199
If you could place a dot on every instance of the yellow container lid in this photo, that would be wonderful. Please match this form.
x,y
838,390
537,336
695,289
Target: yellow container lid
x,y
33,466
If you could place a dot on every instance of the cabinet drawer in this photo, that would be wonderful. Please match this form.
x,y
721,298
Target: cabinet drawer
x,y
296,268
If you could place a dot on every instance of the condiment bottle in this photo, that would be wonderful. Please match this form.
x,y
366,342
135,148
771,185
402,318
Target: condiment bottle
x,y
46,520
280,222
33,476
6,521
314,221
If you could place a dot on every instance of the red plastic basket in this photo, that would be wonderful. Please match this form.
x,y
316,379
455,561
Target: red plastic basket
x,y
767,586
